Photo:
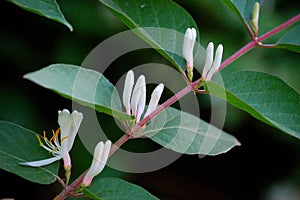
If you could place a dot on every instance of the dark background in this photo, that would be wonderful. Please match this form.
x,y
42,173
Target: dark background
x,y
267,164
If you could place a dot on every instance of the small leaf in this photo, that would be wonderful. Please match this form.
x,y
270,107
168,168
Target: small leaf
x,y
290,40
17,145
115,189
262,95
160,23
87,87
243,8
45,8
186,133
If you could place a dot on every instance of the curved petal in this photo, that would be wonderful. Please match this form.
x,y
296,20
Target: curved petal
x,y
41,162
69,124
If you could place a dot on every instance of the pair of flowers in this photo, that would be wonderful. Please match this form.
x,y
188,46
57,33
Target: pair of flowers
x,y
211,65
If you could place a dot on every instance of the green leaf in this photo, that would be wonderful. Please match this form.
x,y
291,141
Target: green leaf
x,y
115,189
18,144
243,8
264,96
290,40
186,133
45,8
161,23
84,86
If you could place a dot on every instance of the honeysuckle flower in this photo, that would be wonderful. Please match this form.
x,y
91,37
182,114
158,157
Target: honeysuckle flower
x,y
135,101
69,124
212,65
255,16
187,50
101,154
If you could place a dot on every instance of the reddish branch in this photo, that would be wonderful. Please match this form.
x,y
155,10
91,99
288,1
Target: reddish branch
x,y
256,41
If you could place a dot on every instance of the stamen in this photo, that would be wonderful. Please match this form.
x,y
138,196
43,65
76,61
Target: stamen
x,y
39,139
64,138
54,135
54,150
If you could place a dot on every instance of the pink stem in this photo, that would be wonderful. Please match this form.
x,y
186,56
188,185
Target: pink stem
x,y
253,43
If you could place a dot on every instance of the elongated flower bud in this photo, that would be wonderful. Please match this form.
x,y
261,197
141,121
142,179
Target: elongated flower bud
x,y
255,17
188,46
129,81
187,50
142,101
217,62
209,59
136,95
155,96
101,153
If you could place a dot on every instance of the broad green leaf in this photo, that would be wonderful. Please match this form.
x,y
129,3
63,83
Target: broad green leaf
x,y
243,8
161,23
185,133
45,8
264,96
290,40
18,144
87,87
115,189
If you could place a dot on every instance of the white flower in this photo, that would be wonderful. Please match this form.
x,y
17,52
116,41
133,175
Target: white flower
x,y
101,154
188,46
212,66
69,124
134,101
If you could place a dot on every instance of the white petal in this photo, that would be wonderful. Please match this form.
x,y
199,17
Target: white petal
x,y
155,96
209,59
142,102
217,62
69,125
41,162
136,94
106,151
129,81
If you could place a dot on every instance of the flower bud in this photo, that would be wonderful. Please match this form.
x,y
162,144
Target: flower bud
x,y
155,96
129,81
187,50
101,154
209,59
137,94
217,62
255,17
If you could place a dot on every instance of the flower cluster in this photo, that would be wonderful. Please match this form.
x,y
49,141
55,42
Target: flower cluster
x,y
211,66
134,99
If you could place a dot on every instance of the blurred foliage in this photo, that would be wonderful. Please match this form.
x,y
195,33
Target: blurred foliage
x,y
267,162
